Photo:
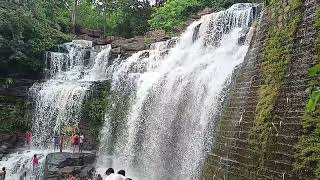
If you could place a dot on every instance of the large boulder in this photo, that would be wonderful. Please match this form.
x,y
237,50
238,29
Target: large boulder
x,y
59,165
133,44
157,35
126,47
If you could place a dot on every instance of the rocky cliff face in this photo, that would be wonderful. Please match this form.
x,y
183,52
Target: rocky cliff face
x,y
263,116
59,165
15,112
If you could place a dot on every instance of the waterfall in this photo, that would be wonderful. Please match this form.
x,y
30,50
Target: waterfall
x,y
58,100
165,100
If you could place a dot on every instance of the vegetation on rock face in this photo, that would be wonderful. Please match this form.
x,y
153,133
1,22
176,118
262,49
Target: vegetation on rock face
x,y
308,148
14,112
276,56
17,118
93,112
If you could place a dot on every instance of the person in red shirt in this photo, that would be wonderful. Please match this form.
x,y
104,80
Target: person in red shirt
x,y
76,142
28,138
35,162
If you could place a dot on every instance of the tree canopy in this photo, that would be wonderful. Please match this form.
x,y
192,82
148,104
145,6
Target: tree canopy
x,y
28,28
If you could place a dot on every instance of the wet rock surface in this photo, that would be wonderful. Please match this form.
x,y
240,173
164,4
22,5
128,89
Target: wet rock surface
x,y
124,47
60,165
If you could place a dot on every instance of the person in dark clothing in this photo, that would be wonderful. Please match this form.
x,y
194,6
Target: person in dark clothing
x,y
99,177
109,171
56,142
3,174
61,140
122,172
28,139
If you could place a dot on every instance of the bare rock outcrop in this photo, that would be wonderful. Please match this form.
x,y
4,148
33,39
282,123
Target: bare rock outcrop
x,y
60,165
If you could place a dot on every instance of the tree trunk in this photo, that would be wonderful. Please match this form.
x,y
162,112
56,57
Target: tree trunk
x,y
105,18
74,16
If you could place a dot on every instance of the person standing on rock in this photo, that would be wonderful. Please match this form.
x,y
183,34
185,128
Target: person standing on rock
x,y
28,138
76,141
61,141
35,162
3,173
81,143
56,142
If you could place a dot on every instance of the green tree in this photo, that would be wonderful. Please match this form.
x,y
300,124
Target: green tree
x,y
173,14
25,33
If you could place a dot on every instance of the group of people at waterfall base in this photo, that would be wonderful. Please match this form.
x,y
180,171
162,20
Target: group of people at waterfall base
x,y
76,140
61,141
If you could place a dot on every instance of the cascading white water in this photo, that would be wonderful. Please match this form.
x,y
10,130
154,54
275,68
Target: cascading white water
x,y
58,100
165,99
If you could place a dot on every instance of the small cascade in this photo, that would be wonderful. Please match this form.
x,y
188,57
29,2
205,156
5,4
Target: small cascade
x,y
58,101
20,165
165,100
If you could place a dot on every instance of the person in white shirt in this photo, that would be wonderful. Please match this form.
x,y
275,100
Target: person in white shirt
x,y
113,176
81,143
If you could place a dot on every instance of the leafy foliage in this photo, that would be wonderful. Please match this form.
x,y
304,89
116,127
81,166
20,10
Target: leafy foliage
x,y
15,119
308,149
173,14
93,112
29,29
118,17
25,34
314,71
313,99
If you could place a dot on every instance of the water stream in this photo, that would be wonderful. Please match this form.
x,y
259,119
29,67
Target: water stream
x,y
164,101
